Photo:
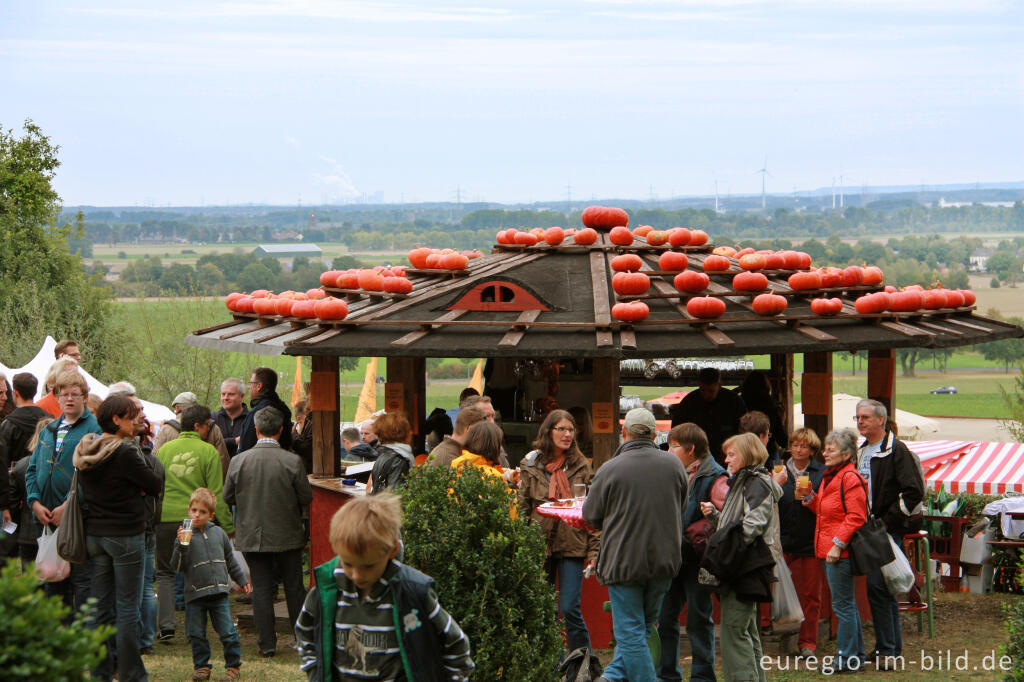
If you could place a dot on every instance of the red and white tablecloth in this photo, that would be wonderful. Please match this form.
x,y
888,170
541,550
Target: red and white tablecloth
x,y
571,515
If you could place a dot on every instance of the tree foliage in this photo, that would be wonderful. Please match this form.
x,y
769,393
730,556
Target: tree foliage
x,y
45,290
34,642
489,570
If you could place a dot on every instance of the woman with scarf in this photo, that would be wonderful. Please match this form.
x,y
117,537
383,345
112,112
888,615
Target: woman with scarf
x,y
114,480
548,473
751,507
841,506
394,453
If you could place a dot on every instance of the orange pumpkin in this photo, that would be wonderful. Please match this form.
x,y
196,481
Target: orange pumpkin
x,y
705,307
769,304
633,311
554,236
264,306
657,237
630,283
331,309
627,262
526,238
726,251
753,261
853,275
418,257
906,301
831,277
620,236
800,281
679,236
873,275
716,264
642,230
585,237
305,309
368,280
691,281
826,306
673,261
698,238
877,302
774,261
603,217
750,281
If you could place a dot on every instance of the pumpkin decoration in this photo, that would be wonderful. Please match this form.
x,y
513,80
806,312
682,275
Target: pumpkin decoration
x,y
753,261
368,280
716,264
698,238
705,307
418,257
826,306
305,309
554,236
743,252
395,285
264,306
434,260
831,277
774,261
877,302
873,275
933,299
634,311
604,218
526,238
642,230
329,278
906,301
691,281
954,299
769,304
657,237
315,293
244,304
333,308
801,281
750,281
627,262
726,251
283,306
455,261
630,283
585,237
679,236
853,275
620,236
349,279
673,261
231,299
969,297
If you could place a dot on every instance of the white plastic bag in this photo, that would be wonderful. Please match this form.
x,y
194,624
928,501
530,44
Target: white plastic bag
x,y
245,569
786,609
50,566
899,576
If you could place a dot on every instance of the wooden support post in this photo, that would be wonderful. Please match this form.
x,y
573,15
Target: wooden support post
x,y
882,377
816,392
781,379
605,409
323,398
406,391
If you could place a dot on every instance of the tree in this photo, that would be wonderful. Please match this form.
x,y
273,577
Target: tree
x,y
45,290
1007,351
256,276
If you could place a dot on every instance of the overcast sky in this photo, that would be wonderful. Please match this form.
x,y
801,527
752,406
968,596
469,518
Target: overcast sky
x,y
275,101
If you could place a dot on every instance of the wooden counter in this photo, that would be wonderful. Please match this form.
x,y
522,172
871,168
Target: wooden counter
x,y
328,496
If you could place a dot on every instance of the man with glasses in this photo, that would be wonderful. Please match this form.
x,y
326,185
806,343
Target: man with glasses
x,y
67,349
48,477
895,491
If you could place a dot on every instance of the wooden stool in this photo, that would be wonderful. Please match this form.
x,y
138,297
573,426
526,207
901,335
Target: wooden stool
x,y
920,562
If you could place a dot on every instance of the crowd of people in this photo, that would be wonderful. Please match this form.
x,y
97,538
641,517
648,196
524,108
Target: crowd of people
x,y
218,501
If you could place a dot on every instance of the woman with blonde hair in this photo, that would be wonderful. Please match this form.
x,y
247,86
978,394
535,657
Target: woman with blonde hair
x,y
549,472
748,521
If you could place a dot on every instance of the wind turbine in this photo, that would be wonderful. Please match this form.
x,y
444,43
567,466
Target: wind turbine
x,y
764,175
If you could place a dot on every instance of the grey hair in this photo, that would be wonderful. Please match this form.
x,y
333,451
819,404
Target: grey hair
x,y
268,421
121,388
845,440
239,384
877,408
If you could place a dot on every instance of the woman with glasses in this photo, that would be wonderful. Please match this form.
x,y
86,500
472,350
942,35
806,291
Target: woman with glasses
x,y
548,473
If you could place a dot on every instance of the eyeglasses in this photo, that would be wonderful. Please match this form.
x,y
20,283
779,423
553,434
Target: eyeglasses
x,y
70,396
564,429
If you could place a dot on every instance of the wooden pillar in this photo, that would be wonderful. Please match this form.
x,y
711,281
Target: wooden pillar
x,y
816,392
323,398
605,410
882,377
406,391
781,379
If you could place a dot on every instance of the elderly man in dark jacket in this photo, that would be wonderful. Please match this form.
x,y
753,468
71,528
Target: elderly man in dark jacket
x,y
636,500
896,488
269,488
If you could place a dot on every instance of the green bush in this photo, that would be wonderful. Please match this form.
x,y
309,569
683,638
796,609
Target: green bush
x,y
489,570
34,644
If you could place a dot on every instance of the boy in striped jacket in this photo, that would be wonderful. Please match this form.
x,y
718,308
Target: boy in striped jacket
x,y
371,617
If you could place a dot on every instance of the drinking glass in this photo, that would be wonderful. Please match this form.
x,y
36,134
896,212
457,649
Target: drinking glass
x,y
186,532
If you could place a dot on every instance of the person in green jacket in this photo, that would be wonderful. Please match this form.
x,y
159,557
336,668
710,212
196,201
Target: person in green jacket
x,y
189,463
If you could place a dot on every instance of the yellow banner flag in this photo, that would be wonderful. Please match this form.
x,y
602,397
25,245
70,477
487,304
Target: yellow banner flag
x,y
368,396
477,381
297,384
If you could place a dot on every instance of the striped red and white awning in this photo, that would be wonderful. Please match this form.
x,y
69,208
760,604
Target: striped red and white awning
x,y
972,466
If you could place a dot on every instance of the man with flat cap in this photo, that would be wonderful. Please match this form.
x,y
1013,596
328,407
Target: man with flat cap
x,y
636,501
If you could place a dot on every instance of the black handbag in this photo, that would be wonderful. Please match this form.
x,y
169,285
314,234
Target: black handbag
x,y
870,548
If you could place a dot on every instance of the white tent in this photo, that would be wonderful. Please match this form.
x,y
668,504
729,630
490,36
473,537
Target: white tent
x,y
40,364
844,409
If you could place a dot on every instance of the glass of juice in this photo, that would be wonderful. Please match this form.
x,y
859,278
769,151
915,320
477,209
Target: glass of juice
x,y
186,532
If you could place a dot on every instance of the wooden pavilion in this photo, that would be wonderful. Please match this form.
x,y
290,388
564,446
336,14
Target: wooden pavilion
x,y
543,304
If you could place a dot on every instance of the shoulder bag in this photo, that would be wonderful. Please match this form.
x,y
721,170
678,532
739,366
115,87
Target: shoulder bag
x,y
71,531
870,548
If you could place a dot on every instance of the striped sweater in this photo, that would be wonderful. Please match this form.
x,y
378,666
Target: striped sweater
x,y
366,646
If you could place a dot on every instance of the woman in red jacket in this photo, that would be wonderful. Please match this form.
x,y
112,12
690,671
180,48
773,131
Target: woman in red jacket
x,y
841,507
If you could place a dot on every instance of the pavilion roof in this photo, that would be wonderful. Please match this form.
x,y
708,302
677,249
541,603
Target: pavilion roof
x,y
572,296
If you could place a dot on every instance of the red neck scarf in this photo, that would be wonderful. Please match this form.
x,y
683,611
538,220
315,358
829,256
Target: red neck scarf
x,y
558,488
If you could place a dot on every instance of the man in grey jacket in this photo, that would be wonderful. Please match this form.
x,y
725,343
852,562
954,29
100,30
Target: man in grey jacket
x,y
636,501
268,485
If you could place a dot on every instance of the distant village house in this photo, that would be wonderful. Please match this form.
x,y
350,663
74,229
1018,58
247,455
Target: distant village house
x,y
288,250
